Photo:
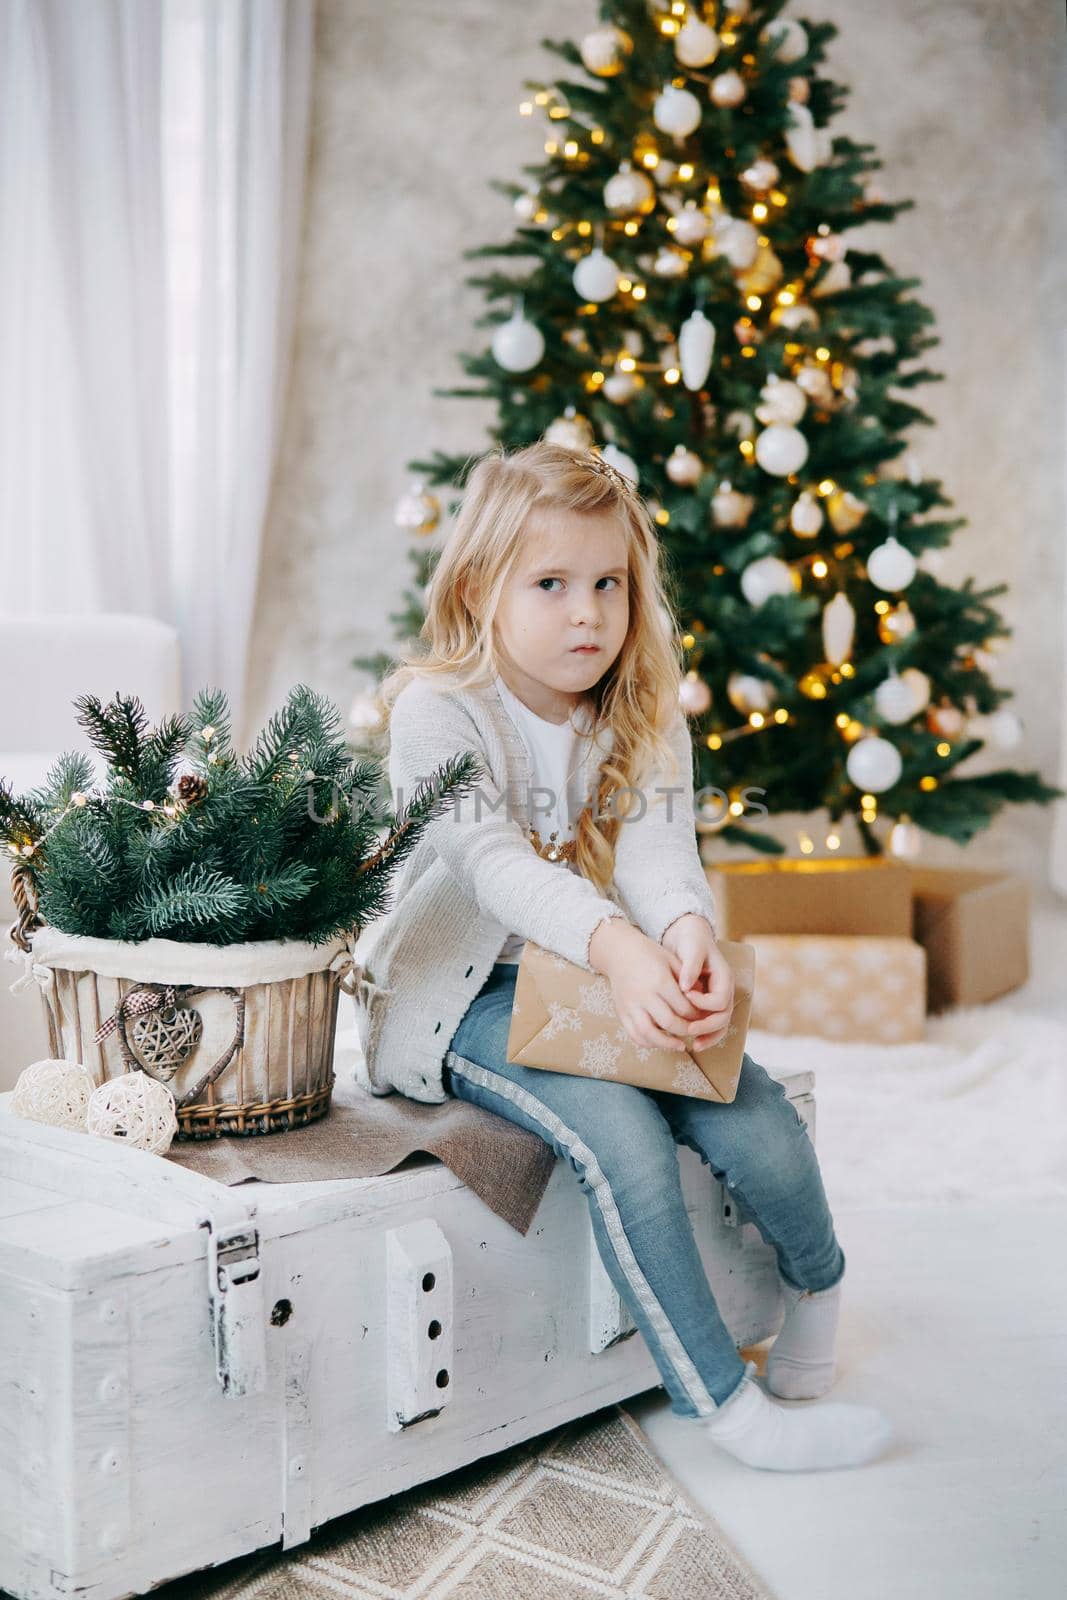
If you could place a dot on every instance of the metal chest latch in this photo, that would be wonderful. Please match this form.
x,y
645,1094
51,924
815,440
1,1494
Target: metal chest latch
x,y
235,1290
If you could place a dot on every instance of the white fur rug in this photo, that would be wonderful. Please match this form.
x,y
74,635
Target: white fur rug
x,y
977,1109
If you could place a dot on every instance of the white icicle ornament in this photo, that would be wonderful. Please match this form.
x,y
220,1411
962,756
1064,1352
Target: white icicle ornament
x,y
838,628
696,345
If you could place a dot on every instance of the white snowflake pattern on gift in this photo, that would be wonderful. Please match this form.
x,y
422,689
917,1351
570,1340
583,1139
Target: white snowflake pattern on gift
x,y
595,1000
561,1019
641,1051
688,1078
556,960
600,1056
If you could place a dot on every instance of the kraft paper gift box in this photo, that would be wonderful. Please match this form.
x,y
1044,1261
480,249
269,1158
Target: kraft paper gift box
x,y
564,1020
840,986
850,895
975,927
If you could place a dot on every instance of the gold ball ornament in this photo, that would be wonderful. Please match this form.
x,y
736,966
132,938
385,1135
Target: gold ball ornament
x,y
684,467
730,508
727,90
845,510
763,274
897,624
572,430
605,51
806,516
629,192
417,511
53,1091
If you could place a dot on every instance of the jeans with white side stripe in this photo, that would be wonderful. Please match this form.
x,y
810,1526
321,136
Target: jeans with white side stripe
x,y
620,1139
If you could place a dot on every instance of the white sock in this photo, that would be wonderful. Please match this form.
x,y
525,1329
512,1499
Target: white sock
x,y
761,1433
800,1364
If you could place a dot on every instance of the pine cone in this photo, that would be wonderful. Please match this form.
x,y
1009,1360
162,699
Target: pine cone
x,y
191,788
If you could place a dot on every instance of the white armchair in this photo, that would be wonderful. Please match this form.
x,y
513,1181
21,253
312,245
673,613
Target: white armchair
x,y
50,661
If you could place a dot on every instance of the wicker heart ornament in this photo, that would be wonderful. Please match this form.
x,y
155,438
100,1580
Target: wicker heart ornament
x,y
162,1041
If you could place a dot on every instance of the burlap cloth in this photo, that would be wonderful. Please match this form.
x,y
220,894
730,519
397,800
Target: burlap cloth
x,y
363,1135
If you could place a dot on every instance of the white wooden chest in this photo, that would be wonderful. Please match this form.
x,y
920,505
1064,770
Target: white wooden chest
x,y
193,1371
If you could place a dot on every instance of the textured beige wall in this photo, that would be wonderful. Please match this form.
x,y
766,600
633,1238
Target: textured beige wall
x,y
416,109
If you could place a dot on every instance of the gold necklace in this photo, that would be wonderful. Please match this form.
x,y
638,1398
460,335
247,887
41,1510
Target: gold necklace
x,y
554,850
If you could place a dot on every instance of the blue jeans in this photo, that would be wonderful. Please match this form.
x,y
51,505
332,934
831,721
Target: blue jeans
x,y
620,1141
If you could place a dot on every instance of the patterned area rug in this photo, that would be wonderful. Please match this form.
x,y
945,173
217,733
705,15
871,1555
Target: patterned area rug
x,y
585,1511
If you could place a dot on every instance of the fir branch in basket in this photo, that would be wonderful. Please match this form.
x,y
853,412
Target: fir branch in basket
x,y
275,846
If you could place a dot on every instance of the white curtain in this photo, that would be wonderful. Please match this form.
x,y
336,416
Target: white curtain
x,y
152,160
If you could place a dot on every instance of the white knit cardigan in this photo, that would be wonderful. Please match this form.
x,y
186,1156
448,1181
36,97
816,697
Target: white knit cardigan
x,y
474,877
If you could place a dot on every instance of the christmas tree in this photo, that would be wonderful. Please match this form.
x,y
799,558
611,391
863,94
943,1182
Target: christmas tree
x,y
186,840
689,299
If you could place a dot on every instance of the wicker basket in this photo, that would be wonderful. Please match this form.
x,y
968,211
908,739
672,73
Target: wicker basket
x,y
242,1034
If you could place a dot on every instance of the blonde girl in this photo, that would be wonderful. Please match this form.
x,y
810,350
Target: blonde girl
x,y
549,650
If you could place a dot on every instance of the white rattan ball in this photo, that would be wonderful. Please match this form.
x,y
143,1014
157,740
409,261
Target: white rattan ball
x,y
135,1108
54,1091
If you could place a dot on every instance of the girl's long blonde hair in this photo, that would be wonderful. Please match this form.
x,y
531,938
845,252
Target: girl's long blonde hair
x,y
638,695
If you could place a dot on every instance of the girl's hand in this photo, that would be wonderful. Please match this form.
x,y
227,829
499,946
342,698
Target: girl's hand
x,y
704,977
650,1005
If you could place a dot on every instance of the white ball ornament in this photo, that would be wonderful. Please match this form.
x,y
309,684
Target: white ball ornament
x,y
572,430
670,264
621,462
684,467
695,44
837,276
802,142
619,387
806,517
891,566
760,176
135,1108
747,693
894,699
781,450
629,192
691,226
766,577
417,510
676,111
790,37
737,240
874,763
596,277
517,344
1005,728
782,401
54,1091
696,346
526,207
795,317
730,508
694,696
604,51
727,90
919,685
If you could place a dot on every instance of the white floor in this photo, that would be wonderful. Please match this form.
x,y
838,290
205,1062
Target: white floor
x,y
953,1321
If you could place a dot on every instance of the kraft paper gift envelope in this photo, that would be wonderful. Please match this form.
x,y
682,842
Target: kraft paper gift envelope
x,y
564,1020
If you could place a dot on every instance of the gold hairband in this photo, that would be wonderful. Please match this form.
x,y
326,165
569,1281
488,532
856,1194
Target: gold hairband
x,y
613,475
